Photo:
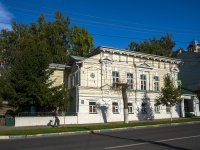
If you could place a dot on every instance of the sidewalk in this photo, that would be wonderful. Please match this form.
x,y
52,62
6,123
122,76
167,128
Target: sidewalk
x,y
6,137
74,125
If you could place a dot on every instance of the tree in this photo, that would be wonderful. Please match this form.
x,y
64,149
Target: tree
x,y
123,87
29,49
170,95
162,47
81,41
56,38
29,83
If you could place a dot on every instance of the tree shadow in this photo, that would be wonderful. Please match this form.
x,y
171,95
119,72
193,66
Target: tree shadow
x,y
178,109
103,110
143,141
145,111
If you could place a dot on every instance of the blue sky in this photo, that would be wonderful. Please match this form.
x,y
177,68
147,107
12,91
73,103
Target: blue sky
x,y
115,23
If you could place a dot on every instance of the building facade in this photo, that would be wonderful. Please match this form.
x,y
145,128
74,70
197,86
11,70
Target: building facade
x,y
194,46
189,76
96,98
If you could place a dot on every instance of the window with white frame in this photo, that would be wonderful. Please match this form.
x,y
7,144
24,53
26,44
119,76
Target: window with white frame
x,y
130,80
143,81
115,76
115,107
130,108
92,107
167,109
157,108
144,108
156,83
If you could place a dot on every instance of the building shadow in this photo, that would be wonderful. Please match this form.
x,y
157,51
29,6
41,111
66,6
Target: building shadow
x,y
145,111
164,145
103,109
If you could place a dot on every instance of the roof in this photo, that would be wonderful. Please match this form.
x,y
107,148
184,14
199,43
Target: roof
x,y
135,54
78,58
194,43
187,91
58,66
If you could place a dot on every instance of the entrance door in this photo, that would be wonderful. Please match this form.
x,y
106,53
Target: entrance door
x,y
188,105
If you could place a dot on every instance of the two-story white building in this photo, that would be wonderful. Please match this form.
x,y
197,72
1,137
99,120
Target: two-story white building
x,y
95,97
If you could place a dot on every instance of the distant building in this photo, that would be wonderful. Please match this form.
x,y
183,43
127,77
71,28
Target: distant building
x,y
190,77
194,46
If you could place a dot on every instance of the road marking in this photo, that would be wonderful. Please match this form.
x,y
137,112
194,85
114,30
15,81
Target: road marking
x,y
114,147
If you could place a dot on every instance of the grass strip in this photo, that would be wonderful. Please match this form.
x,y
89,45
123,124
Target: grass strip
x,y
92,127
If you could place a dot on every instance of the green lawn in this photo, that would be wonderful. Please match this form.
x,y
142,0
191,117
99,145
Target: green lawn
x,y
92,127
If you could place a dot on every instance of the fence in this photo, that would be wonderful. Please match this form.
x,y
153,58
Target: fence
x,y
43,114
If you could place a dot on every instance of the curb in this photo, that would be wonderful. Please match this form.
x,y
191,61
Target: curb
x,y
93,131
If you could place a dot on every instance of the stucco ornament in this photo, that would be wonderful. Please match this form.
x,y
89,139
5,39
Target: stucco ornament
x,y
92,75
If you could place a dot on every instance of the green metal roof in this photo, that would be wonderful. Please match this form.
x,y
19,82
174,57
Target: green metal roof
x,y
185,91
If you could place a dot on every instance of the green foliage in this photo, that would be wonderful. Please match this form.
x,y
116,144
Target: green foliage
x,y
27,50
56,38
189,114
162,46
91,127
170,94
81,41
29,85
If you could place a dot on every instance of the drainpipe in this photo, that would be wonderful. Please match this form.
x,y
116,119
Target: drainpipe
x,y
77,91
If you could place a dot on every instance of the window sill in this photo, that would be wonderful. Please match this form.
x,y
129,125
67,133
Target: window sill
x,y
92,113
115,113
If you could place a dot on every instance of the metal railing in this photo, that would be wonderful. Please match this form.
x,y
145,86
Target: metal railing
x,y
44,114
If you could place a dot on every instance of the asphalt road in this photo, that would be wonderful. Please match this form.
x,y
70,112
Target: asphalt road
x,y
178,137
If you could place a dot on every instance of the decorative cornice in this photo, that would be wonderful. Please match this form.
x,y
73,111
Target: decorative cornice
x,y
134,54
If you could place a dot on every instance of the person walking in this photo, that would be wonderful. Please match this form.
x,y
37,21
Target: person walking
x,y
57,121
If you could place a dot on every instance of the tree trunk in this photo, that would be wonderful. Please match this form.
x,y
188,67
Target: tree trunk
x,y
124,95
171,112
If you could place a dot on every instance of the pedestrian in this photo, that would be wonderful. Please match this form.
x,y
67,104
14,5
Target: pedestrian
x,y
57,121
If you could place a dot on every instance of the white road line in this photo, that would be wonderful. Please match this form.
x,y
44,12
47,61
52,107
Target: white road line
x,y
114,147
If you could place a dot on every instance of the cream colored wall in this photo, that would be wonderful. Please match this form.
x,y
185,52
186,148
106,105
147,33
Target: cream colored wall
x,y
103,73
57,76
98,88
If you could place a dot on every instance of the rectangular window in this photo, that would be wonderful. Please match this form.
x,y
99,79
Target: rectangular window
x,y
156,83
115,107
143,81
130,80
130,108
167,109
92,107
157,108
115,75
144,108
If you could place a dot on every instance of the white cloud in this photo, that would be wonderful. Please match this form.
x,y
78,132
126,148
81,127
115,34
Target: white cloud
x,y
5,18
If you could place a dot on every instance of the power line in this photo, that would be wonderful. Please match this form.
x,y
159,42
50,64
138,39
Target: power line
x,y
104,23
102,17
112,36
116,27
